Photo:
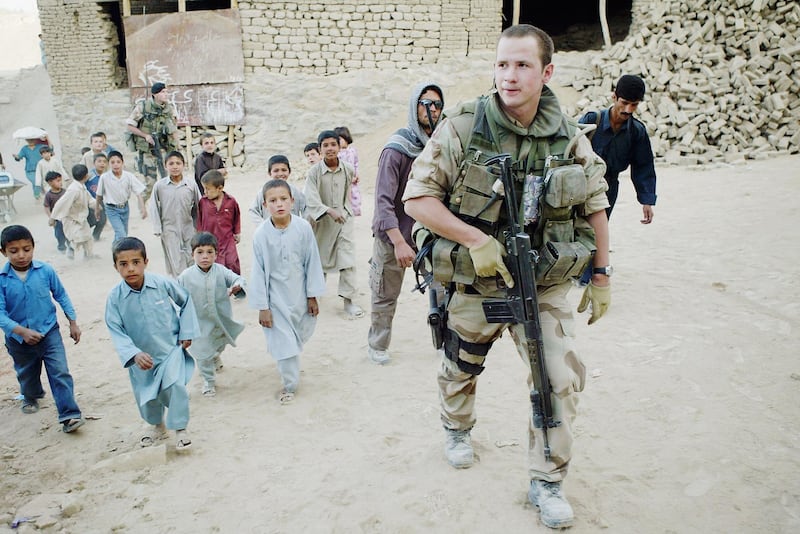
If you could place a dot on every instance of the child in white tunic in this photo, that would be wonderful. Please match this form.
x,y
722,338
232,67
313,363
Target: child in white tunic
x,y
286,281
211,284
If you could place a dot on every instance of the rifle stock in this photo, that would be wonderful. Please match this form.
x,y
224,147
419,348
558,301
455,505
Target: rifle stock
x,y
155,150
521,304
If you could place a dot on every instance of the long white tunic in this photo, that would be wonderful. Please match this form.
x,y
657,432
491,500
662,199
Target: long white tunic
x,y
72,210
286,272
209,291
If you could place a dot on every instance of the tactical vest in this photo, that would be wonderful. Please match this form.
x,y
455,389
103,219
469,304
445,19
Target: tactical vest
x,y
156,121
558,232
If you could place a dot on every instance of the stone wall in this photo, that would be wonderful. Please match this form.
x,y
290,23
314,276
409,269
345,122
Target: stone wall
x,y
80,43
328,38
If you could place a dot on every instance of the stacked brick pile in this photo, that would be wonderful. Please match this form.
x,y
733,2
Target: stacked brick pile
x,y
220,134
723,78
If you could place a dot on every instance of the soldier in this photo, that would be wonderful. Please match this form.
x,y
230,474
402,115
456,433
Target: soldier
x,y
449,192
154,132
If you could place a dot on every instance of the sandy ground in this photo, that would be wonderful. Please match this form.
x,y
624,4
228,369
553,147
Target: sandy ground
x,y
688,423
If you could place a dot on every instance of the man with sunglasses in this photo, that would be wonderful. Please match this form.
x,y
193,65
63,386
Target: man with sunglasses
x,y
393,248
452,192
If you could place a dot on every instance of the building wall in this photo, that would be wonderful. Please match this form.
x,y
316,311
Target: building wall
x,y
281,37
80,44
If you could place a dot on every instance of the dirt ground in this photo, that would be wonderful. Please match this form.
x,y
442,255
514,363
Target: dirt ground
x,y
688,423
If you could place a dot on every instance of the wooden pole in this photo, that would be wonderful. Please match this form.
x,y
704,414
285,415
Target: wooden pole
x,y
230,145
126,8
604,24
234,4
515,16
181,6
188,131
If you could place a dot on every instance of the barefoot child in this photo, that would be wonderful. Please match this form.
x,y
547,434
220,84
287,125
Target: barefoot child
x,y
72,210
218,213
210,285
286,281
29,322
152,322
173,211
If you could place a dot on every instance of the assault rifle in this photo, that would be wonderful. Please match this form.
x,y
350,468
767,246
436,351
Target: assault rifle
x,y
155,150
521,305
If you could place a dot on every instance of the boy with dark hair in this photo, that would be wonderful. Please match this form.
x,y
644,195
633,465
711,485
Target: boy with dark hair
x,y
100,162
152,345
328,203
54,181
287,279
99,146
50,163
208,159
173,212
210,285
113,192
278,168
311,152
72,210
218,213
30,325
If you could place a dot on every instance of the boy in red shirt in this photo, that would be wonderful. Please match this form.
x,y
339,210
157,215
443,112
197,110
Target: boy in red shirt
x,y
219,214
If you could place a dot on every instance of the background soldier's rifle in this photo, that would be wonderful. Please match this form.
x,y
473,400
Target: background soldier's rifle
x,y
155,150
521,305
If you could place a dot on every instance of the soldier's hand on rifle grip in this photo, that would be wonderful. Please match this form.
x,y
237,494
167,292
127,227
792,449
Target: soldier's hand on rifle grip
x,y
488,260
599,297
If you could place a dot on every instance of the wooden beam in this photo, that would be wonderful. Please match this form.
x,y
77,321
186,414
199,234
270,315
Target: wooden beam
x,y
230,145
515,16
126,8
604,24
181,6
189,158
234,4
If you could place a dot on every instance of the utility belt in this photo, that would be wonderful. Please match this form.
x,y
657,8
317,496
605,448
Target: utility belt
x,y
118,206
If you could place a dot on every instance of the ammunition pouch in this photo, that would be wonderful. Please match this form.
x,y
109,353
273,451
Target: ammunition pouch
x,y
452,345
558,262
565,186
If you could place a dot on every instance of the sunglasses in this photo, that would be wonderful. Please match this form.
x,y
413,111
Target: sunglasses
x,y
438,104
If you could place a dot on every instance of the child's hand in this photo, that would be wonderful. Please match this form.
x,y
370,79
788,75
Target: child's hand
x,y
237,238
336,216
313,306
355,180
234,289
51,222
144,214
143,360
185,343
74,332
31,337
265,318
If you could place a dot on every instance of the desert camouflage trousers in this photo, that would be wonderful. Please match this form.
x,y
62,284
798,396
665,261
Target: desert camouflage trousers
x,y
147,166
567,372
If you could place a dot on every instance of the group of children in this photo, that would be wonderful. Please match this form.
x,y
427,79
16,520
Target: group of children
x,y
155,319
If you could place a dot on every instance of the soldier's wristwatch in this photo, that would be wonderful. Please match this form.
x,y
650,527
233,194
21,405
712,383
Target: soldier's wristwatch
x,y
607,270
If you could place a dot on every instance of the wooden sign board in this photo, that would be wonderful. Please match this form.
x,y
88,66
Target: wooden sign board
x,y
197,54
203,105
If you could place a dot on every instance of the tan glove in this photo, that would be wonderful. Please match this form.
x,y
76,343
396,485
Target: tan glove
x,y
488,260
599,296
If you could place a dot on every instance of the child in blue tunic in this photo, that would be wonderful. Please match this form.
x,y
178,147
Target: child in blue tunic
x,y
286,281
152,322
